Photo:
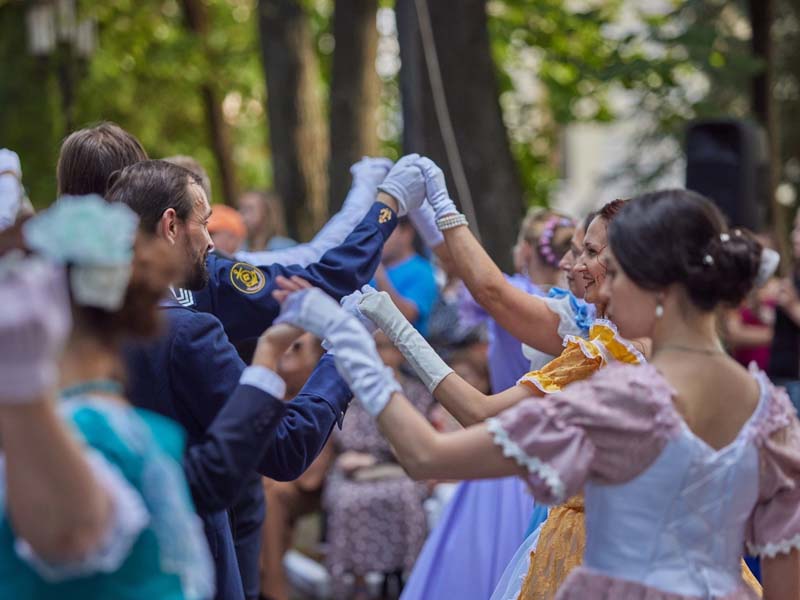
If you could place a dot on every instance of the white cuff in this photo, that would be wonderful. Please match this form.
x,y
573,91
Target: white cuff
x,y
264,379
129,518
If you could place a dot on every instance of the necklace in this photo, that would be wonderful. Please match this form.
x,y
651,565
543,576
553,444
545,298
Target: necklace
x,y
681,348
96,386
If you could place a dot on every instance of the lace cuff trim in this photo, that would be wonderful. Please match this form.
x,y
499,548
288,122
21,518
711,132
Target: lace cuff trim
x,y
772,550
534,466
128,520
533,382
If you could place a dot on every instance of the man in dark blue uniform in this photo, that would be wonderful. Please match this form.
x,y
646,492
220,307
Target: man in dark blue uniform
x,y
88,158
191,372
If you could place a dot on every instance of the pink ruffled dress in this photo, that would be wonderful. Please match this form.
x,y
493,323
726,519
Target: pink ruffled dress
x,y
667,516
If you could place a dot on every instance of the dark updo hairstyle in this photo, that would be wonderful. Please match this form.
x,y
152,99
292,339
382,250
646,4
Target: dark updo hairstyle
x,y
678,236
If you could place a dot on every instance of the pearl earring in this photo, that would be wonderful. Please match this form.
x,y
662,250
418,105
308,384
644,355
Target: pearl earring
x,y
659,310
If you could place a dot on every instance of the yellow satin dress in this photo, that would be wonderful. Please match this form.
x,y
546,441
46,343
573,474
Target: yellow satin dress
x,y
562,539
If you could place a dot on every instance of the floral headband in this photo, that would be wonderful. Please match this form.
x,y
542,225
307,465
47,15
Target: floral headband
x,y
94,237
545,243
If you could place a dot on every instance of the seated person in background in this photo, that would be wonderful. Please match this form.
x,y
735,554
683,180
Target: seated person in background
x,y
376,522
287,501
266,224
407,277
227,229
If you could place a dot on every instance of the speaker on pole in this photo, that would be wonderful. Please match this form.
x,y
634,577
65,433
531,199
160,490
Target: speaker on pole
x,y
727,161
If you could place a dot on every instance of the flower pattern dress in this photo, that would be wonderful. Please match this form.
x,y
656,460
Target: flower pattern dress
x,y
374,525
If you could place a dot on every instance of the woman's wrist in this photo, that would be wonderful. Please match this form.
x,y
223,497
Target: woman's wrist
x,y
388,200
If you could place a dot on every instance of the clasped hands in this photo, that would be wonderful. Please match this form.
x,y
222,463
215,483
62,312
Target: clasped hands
x,y
411,180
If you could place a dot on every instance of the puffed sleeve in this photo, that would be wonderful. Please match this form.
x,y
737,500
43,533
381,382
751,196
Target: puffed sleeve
x,y
607,429
775,521
129,517
574,316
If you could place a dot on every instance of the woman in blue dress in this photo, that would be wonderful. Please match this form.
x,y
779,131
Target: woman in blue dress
x,y
94,501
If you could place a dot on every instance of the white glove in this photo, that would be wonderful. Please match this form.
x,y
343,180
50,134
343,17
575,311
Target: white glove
x,y
406,184
34,324
424,220
428,366
370,171
350,304
11,192
436,188
355,354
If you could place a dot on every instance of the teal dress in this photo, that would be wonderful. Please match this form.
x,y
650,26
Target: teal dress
x,y
155,547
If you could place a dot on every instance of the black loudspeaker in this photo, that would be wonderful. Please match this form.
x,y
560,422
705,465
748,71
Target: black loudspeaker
x,y
727,161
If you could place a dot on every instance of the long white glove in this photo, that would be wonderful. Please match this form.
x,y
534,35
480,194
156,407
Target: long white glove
x,y
428,365
424,221
354,351
350,304
34,324
370,172
406,184
436,188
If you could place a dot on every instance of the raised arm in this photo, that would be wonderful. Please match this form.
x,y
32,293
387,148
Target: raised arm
x,y
368,173
246,423
526,317
53,497
240,295
309,420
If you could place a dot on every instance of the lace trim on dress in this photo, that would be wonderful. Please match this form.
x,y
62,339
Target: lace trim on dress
x,y
535,466
778,411
618,338
128,520
596,346
773,549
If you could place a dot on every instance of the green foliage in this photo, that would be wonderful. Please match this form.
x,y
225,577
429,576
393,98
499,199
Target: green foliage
x,y
559,62
148,68
579,59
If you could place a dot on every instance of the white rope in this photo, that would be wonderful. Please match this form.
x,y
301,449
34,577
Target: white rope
x,y
443,115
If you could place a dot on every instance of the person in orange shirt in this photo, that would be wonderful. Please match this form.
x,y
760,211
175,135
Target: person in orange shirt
x,y
227,229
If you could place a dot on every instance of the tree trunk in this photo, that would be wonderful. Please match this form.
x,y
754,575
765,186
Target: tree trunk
x,y
197,22
297,129
355,93
471,94
762,16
